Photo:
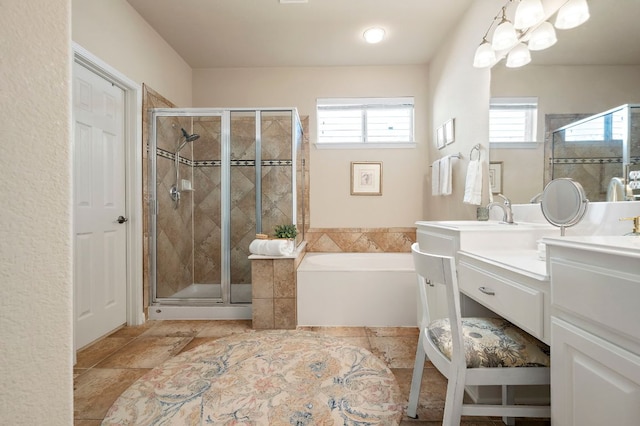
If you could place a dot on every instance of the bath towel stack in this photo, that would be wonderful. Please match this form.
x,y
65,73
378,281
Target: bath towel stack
x,y
272,247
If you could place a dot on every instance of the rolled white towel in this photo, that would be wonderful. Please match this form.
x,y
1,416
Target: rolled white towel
x,y
272,247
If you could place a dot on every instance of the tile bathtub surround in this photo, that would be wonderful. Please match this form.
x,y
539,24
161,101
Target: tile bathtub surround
x,y
360,240
99,379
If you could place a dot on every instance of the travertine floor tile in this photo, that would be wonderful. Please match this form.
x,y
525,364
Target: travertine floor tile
x,y
176,328
91,355
97,389
145,352
134,331
197,341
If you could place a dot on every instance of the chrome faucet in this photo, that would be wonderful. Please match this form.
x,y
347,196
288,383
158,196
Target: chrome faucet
x,y
506,208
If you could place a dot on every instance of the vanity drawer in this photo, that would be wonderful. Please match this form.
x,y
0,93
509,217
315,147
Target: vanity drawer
x,y
598,294
518,303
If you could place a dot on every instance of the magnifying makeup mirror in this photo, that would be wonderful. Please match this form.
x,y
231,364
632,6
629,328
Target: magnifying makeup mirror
x,y
563,203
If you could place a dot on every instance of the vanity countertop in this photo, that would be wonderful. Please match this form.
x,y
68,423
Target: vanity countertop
x,y
620,245
524,262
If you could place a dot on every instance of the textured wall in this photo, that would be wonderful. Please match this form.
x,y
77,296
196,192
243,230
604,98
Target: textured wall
x,y
35,224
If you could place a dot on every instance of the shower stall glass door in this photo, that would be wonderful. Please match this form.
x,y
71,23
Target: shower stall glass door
x,y
232,178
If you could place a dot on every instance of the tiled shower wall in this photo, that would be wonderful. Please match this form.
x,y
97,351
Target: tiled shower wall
x,y
592,164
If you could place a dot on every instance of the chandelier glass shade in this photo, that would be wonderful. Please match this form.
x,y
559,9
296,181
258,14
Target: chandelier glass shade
x,y
518,56
504,35
528,14
530,31
572,14
542,37
485,55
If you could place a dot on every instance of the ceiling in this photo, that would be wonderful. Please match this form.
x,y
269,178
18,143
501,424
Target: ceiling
x,y
266,33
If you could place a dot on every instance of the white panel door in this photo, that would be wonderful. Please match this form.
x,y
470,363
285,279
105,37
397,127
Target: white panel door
x,y
99,200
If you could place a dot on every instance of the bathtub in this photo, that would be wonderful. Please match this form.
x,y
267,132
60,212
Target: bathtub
x,y
357,289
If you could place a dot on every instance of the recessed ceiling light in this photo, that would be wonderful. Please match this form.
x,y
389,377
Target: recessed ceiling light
x,y
374,35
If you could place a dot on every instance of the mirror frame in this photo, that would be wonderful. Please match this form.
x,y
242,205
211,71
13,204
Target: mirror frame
x,y
574,191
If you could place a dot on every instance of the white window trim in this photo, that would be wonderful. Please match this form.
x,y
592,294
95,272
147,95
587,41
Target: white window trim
x,y
534,142
360,102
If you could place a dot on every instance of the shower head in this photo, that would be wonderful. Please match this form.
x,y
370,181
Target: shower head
x,y
187,138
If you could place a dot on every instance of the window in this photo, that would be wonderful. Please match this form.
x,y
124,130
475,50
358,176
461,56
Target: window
x,y
365,122
513,121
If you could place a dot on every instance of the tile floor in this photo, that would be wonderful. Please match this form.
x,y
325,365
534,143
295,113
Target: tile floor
x,y
109,366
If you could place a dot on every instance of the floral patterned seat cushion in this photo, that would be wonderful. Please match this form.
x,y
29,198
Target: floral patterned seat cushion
x,y
492,342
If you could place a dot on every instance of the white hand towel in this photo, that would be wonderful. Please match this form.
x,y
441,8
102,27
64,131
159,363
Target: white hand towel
x,y
435,178
445,175
272,247
473,184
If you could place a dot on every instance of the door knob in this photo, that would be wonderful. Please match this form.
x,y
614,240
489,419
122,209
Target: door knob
x,y
122,219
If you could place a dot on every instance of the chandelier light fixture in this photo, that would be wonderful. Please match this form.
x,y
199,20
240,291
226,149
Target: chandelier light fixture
x,y
531,30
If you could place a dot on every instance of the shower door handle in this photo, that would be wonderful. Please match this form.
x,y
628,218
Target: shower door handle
x,y
122,219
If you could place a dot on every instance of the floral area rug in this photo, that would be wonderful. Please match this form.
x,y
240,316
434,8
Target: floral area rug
x,y
264,378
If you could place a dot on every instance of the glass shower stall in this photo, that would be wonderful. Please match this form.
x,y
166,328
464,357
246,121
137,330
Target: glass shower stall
x,y
218,177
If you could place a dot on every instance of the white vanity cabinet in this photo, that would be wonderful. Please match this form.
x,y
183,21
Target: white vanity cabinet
x,y
520,298
595,330
498,270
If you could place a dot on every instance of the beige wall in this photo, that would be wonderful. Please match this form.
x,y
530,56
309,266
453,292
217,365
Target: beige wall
x,y
461,92
560,90
35,224
331,202
113,31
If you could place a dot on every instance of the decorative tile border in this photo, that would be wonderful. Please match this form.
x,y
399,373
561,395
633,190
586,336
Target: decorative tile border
x,y
360,240
606,160
218,163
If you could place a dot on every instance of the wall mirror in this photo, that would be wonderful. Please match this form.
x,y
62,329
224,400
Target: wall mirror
x,y
563,203
591,69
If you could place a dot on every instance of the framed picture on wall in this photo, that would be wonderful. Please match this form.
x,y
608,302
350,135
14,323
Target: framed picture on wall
x,y
440,139
449,131
495,177
366,178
